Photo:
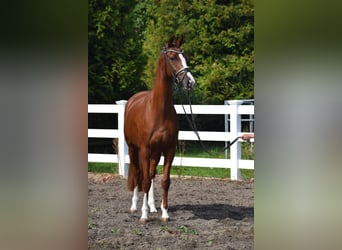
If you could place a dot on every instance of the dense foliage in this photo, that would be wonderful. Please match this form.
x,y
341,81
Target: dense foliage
x,y
125,39
115,60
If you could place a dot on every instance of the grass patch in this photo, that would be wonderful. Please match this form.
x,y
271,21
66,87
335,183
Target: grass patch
x,y
98,167
198,171
206,172
102,167
247,173
191,150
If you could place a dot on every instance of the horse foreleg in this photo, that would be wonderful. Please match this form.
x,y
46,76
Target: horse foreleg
x,y
164,205
144,209
165,185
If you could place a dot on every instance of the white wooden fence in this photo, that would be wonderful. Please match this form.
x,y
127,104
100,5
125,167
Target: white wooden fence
x,y
235,109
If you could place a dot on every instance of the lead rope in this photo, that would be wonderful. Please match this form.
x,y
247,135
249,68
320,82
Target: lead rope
x,y
194,128
192,122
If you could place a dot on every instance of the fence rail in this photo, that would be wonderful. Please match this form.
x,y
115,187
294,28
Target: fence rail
x,y
235,109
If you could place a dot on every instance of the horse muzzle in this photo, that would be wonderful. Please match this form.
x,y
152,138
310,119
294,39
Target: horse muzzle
x,y
185,78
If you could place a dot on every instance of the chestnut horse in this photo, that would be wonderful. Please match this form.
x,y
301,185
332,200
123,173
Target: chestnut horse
x,y
151,128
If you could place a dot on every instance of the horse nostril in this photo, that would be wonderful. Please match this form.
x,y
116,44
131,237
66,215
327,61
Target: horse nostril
x,y
190,84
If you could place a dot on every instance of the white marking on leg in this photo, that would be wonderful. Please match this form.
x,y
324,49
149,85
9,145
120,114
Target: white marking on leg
x,y
135,199
144,209
151,203
165,216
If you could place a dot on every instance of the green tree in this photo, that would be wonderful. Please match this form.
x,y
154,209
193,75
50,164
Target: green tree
x,y
226,58
125,39
219,37
165,20
115,61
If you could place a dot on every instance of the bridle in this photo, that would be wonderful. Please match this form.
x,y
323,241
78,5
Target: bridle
x,y
176,75
176,81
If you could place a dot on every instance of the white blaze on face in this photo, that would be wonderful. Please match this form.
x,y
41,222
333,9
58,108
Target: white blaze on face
x,y
192,79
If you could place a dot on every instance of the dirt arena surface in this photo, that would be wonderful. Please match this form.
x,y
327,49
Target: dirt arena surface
x,y
204,214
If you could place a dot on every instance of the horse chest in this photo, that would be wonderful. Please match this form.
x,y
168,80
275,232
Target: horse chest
x,y
163,136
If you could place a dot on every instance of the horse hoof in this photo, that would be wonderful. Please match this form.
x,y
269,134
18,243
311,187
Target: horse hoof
x,y
143,220
132,211
164,219
153,210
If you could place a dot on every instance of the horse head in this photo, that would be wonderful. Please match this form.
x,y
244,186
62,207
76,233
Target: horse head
x,y
177,65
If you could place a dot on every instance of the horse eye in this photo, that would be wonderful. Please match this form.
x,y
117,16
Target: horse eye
x,y
172,57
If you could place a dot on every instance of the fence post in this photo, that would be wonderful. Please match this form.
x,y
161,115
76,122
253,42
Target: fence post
x,y
123,149
226,127
235,149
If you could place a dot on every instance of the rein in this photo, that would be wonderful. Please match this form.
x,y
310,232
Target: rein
x,y
176,81
193,124
194,128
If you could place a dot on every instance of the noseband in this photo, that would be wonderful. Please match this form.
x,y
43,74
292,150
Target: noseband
x,y
180,71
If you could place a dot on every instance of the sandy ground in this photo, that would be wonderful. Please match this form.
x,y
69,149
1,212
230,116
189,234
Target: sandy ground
x,y
204,214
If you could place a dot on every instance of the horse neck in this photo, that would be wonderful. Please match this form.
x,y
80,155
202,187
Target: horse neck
x,y
162,90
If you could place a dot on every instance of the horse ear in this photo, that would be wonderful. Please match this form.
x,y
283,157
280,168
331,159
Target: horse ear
x,y
180,41
169,44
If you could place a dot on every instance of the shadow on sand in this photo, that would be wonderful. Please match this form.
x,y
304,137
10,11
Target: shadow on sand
x,y
216,211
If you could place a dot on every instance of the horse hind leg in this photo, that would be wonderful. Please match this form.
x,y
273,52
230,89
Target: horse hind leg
x,y
151,201
144,159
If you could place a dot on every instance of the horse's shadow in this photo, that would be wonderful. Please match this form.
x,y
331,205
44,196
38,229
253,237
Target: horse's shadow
x,y
216,211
